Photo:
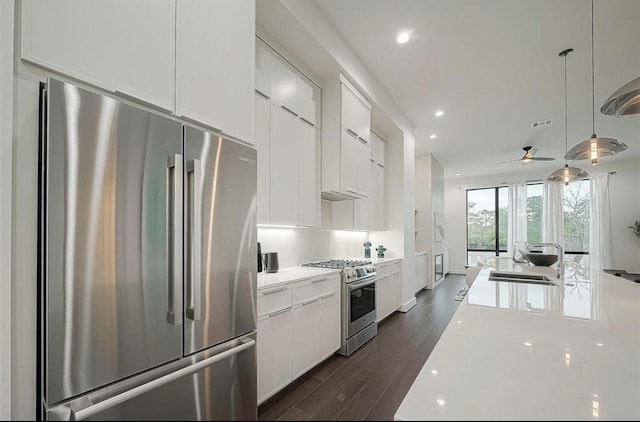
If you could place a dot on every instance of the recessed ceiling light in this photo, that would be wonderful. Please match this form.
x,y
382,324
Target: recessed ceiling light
x,y
403,37
458,174
439,113
528,344
433,136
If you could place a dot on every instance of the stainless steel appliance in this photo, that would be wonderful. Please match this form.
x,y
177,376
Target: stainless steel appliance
x,y
147,265
358,301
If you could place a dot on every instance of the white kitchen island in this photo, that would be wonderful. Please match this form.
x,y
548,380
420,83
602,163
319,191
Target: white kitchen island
x,y
518,351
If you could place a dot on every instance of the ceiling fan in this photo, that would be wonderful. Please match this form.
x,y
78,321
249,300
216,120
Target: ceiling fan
x,y
529,156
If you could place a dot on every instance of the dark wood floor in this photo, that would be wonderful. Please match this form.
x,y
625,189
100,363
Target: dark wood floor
x,y
371,383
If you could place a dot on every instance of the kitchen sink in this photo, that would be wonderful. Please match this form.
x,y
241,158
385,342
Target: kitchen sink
x,y
520,277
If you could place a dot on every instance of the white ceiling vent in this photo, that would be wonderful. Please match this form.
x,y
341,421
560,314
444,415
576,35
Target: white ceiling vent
x,y
542,123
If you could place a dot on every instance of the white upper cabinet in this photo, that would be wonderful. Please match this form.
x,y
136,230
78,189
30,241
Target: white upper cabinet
x,y
194,58
307,176
263,70
305,101
215,64
262,143
287,142
345,141
377,149
284,166
118,45
356,116
284,85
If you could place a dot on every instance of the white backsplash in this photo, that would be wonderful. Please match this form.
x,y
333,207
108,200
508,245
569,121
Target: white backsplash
x,y
297,246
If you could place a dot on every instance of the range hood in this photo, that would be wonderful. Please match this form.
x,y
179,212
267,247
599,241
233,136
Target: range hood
x,y
625,101
334,195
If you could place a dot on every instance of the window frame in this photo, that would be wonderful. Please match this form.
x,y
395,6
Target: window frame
x,y
496,198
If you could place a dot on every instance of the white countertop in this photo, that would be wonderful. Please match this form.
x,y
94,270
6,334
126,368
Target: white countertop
x,y
516,351
375,260
291,275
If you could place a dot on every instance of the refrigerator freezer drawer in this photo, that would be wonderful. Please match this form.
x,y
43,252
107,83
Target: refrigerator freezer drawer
x,y
216,384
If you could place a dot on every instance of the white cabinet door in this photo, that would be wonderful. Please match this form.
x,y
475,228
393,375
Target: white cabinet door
x,y
329,324
264,59
349,107
215,59
349,150
364,169
262,142
284,167
284,84
304,337
395,291
377,149
307,189
379,202
381,297
363,122
274,353
117,45
305,102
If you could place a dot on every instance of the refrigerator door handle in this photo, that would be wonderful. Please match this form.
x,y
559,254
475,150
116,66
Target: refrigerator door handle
x,y
94,409
174,239
194,280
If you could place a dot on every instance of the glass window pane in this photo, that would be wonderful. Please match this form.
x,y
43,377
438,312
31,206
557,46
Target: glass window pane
x,y
576,216
534,213
481,219
503,207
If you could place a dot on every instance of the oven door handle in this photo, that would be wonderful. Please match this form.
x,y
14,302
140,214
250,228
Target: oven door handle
x,y
355,286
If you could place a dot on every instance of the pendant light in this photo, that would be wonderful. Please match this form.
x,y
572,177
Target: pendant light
x,y
595,147
566,174
625,101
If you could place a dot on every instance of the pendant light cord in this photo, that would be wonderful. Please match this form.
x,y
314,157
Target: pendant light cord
x,y
593,78
565,108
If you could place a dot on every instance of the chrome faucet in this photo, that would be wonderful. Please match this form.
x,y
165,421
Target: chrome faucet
x,y
560,268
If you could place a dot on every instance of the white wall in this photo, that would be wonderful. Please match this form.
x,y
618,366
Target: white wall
x,y
625,208
6,155
429,199
297,246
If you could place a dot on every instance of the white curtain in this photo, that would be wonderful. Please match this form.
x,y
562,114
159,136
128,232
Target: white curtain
x,y
600,243
516,215
552,214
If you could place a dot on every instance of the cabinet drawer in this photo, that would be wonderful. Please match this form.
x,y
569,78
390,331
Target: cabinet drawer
x,y
315,288
384,268
273,300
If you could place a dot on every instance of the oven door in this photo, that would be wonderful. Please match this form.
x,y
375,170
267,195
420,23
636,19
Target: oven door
x,y
360,305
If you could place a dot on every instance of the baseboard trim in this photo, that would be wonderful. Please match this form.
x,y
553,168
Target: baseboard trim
x,y
459,272
408,305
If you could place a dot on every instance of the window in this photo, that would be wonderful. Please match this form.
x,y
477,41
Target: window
x,y
576,204
534,213
486,223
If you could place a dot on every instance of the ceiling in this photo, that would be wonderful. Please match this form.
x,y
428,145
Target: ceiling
x,y
493,67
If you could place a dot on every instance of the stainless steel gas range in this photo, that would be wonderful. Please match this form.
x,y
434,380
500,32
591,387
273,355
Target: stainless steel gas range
x,y
358,301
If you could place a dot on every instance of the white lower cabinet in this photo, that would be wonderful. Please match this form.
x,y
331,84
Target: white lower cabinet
x,y
329,324
388,289
305,335
274,352
298,327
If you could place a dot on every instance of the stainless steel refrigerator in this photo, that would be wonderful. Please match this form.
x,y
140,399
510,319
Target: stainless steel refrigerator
x,y
147,265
